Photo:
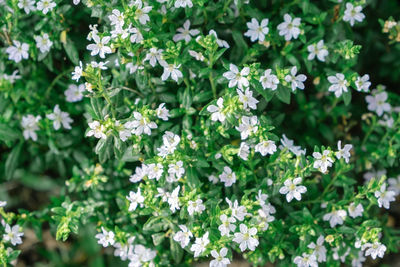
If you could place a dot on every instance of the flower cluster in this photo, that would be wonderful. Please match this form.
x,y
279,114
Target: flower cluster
x,y
190,131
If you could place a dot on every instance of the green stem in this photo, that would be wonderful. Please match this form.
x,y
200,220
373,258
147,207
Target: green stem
x,y
371,129
213,87
108,99
58,77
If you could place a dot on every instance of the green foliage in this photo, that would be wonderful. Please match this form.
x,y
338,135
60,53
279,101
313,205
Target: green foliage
x,y
153,123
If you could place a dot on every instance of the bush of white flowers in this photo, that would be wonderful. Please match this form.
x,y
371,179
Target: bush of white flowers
x,y
170,132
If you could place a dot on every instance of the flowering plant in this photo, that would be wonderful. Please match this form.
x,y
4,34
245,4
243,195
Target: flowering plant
x,y
175,131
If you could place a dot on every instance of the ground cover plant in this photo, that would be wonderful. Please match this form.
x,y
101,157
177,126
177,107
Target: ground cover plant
x,y
170,132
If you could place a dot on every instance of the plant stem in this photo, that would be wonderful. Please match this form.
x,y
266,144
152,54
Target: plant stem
x,y
214,89
58,77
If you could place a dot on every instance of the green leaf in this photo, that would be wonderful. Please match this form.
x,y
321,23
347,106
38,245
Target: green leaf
x,y
283,94
97,107
192,178
158,238
12,161
346,230
176,250
154,224
347,97
7,133
72,53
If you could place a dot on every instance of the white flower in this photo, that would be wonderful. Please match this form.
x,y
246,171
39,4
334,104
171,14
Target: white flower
x,y
266,147
141,12
374,174
140,256
289,28
105,238
74,93
133,67
322,161
18,51
213,179
247,126
171,70
227,225
116,18
96,130
355,211
141,124
343,152
264,218
387,121
140,173
93,31
288,143
244,151
45,6
185,33
363,83
292,190
220,42
358,260
318,50
30,125
335,217
269,80
43,43
200,244
100,46
170,142
162,112
173,200
295,80
257,31
247,99
183,236
246,238
3,204
13,77
375,250
77,73
124,250
197,55
101,65
353,14
195,206
13,234
27,5
60,118
237,78
176,169
338,84
220,259
394,184
340,255
319,249
154,171
384,197
306,260
183,3
262,198
377,103
228,177
239,212
135,199
136,37
216,111
153,56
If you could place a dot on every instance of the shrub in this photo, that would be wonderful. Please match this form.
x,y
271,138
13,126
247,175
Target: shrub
x,y
187,130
